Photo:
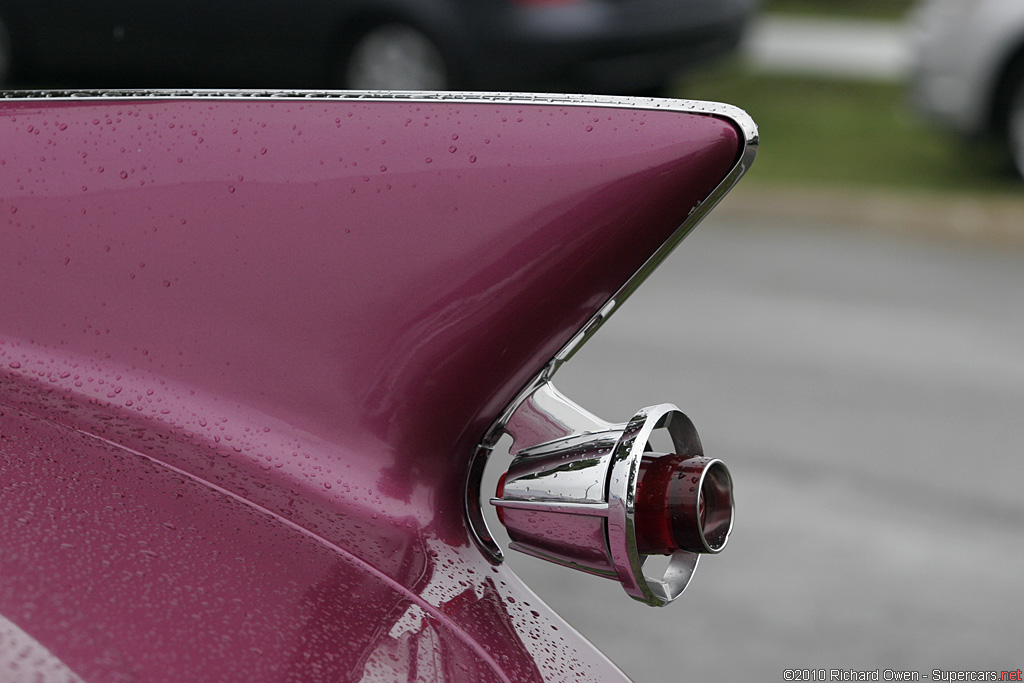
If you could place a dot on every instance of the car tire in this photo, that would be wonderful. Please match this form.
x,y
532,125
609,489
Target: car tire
x,y
1015,125
395,56
6,53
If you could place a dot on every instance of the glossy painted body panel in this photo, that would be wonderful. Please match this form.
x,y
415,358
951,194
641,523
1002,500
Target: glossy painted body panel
x,y
129,571
260,338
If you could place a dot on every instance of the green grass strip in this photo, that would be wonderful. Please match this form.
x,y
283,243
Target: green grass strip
x,y
820,131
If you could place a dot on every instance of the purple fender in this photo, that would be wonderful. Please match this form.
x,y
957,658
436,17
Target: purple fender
x,y
248,346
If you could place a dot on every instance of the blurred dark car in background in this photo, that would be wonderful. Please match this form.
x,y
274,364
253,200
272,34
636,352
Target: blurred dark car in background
x,y
594,45
969,68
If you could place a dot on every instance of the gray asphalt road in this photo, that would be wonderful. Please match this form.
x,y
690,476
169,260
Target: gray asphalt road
x,y
868,396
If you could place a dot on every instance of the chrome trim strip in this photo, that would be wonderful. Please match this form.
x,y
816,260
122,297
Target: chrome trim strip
x,y
594,509
725,111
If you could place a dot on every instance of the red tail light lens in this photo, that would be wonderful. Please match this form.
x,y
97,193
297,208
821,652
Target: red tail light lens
x,y
682,503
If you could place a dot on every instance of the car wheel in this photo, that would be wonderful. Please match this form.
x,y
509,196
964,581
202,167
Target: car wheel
x,y
1015,125
395,57
5,53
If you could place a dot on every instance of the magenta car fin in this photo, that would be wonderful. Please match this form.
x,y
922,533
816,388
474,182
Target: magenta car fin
x,y
313,310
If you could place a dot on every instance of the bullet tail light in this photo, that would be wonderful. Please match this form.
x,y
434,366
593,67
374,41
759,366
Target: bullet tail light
x,y
594,496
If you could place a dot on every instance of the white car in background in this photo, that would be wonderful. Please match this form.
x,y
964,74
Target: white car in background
x,y
969,68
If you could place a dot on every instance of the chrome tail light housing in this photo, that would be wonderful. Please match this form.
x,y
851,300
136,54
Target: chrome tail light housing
x,y
594,495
